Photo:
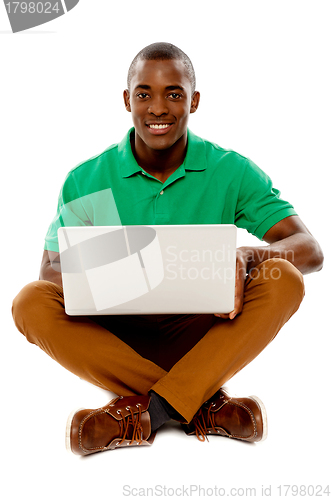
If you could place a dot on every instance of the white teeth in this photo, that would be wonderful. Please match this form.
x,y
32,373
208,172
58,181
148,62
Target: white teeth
x,y
160,126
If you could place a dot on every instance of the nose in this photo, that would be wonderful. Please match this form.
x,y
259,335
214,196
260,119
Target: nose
x,y
158,106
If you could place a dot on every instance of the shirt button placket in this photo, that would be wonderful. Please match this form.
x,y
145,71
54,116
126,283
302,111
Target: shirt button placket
x,y
162,215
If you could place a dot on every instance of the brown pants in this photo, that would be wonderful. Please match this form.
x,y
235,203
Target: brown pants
x,y
184,358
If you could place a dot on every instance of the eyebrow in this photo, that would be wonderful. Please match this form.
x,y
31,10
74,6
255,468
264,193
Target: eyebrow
x,y
169,87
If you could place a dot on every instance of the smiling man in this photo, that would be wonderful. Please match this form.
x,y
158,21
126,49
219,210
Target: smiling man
x,y
170,366
160,113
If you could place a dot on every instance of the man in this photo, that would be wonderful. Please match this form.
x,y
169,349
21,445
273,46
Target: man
x,y
170,366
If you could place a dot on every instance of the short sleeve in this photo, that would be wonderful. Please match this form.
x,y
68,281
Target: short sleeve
x,y
259,206
79,207
70,212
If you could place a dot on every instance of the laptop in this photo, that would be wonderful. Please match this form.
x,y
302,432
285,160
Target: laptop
x,y
164,269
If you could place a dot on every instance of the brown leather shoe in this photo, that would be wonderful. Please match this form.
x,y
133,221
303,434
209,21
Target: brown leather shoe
x,y
223,415
123,422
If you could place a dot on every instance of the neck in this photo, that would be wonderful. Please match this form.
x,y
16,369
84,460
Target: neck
x,y
159,163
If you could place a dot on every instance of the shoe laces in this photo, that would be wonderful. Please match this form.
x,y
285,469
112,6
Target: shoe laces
x,y
131,422
203,421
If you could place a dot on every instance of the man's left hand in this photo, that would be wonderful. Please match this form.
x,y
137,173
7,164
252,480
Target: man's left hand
x,y
240,277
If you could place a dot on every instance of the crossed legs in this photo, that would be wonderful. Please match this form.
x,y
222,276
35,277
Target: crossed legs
x,y
84,347
194,356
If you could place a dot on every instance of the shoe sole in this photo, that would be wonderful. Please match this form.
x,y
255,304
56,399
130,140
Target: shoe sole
x,y
68,428
264,416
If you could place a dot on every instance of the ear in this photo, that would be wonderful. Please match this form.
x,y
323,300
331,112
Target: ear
x,y
195,102
126,98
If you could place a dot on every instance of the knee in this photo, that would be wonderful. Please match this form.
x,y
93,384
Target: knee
x,y
285,281
26,305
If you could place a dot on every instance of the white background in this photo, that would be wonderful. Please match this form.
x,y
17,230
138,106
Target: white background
x,y
264,72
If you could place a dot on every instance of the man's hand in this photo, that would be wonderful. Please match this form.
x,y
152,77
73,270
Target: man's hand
x,y
240,277
289,239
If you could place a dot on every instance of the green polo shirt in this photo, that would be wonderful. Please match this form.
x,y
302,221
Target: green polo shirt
x,y
212,186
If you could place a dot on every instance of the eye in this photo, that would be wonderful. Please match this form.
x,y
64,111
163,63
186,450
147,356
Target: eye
x,y
175,95
141,95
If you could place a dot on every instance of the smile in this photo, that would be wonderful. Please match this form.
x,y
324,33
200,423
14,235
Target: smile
x,y
160,126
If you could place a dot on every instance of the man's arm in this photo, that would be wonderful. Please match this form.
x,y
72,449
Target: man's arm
x,y
48,271
289,239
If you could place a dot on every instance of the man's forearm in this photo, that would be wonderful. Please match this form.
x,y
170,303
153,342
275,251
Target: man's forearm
x,y
301,249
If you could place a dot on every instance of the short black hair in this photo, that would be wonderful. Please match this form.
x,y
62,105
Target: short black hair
x,y
161,51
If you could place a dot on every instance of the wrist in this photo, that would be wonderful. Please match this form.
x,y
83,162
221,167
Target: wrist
x,y
250,256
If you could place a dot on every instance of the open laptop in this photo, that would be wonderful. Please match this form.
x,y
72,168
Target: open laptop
x,y
165,269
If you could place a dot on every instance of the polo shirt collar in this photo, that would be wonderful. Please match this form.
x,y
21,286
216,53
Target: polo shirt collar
x,y
195,158
128,164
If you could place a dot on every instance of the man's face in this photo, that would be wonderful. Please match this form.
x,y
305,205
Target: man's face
x,y
160,101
